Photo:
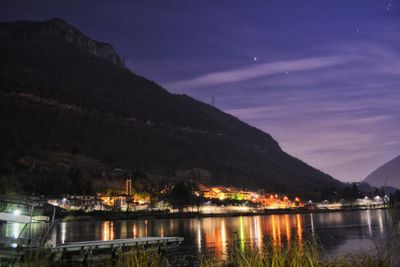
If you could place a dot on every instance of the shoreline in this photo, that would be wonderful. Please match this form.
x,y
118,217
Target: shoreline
x,y
160,215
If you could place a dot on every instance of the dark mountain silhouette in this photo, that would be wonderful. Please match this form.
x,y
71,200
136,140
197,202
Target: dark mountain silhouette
x,y
71,112
386,175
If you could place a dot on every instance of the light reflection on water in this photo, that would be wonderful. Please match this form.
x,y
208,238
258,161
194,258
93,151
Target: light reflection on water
x,y
16,230
337,231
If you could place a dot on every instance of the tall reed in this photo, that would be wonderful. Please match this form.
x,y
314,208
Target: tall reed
x,y
297,254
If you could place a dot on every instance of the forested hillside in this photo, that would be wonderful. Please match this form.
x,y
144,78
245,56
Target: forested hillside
x,y
71,112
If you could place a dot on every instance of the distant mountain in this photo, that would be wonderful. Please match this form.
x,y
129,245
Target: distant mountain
x,y
71,113
367,188
386,175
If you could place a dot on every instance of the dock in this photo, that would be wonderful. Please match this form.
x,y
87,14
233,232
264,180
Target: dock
x,y
144,242
108,249
24,213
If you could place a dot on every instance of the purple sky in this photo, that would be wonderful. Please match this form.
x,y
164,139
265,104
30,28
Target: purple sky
x,y
321,76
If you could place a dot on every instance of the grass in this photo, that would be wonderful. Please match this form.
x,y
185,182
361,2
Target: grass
x,y
297,254
294,254
137,257
37,258
140,258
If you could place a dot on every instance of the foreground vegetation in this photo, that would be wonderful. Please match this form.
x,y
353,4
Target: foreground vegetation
x,y
295,254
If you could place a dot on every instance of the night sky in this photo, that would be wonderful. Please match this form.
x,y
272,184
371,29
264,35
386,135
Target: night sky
x,y
321,76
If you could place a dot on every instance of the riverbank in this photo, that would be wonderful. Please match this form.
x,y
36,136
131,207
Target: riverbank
x,y
136,215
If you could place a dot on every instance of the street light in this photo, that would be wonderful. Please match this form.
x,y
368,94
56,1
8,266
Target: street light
x,y
17,212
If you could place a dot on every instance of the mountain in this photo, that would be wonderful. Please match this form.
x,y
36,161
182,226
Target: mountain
x,y
72,114
367,188
386,175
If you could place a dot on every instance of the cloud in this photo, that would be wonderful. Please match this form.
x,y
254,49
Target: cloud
x,y
259,70
337,131
337,110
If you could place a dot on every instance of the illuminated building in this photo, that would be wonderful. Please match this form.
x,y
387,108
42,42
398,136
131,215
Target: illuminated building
x,y
264,200
128,187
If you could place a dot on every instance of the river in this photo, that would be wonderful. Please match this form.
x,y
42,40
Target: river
x,y
338,232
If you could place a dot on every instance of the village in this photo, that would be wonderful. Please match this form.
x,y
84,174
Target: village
x,y
209,200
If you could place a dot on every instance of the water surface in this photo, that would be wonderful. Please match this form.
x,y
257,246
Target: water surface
x,y
338,232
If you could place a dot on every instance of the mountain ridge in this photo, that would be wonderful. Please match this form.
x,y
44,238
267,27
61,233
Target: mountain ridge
x,y
386,175
59,28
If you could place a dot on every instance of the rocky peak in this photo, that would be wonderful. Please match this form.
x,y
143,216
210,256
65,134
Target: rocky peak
x,y
59,28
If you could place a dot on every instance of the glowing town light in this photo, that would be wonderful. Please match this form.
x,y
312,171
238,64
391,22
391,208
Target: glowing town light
x,y
15,230
17,212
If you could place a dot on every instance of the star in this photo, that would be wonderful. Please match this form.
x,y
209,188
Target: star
x,y
255,58
389,6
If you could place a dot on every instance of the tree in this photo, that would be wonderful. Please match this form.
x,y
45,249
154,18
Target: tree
x,y
394,199
129,201
180,196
